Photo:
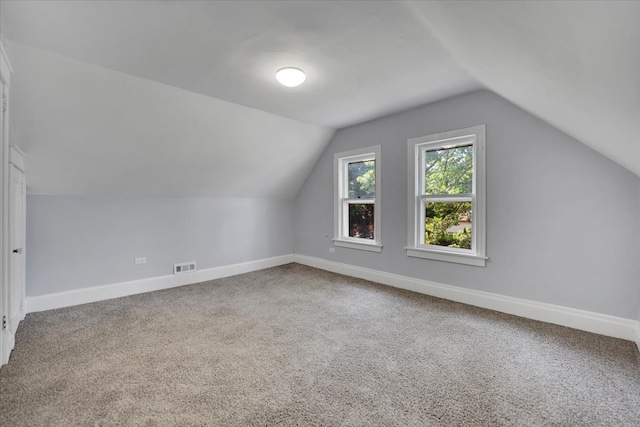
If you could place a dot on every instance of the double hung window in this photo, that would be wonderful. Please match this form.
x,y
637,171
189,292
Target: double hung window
x,y
447,196
357,199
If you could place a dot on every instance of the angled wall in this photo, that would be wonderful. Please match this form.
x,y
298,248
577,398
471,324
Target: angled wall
x,y
562,220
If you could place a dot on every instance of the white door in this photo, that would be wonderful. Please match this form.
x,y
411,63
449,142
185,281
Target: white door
x,y
17,256
6,292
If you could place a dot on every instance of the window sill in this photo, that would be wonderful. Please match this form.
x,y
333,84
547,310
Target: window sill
x,y
478,261
371,247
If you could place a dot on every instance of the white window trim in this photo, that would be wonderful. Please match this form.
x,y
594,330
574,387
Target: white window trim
x,y
339,237
415,248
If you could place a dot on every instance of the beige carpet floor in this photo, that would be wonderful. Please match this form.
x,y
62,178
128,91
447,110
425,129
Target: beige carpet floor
x,y
294,345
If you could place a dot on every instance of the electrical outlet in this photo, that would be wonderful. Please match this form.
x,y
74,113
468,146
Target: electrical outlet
x,y
332,250
141,260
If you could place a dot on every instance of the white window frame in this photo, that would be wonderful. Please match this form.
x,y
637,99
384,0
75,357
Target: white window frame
x,y
416,246
341,201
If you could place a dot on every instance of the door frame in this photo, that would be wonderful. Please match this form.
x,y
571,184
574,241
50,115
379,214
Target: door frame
x,y
6,340
16,161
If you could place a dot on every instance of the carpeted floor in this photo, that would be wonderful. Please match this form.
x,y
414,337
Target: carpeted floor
x,y
294,345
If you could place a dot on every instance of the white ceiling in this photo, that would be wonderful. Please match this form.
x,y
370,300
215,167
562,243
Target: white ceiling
x,y
89,130
362,59
573,64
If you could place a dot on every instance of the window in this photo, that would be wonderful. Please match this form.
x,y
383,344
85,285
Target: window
x,y
447,196
357,199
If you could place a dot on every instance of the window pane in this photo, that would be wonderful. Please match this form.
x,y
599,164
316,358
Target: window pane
x,y
448,224
362,179
361,220
449,170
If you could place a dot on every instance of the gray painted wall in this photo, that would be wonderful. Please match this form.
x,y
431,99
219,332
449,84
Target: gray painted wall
x,y
75,242
562,220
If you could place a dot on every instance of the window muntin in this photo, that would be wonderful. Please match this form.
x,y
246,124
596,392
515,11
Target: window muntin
x,y
357,199
447,196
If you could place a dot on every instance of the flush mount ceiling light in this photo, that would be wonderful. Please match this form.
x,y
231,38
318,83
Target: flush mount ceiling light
x,y
290,76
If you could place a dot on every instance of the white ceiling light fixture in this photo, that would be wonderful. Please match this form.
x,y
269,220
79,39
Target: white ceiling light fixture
x,y
290,76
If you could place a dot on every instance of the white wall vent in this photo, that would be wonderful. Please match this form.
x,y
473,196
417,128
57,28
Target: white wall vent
x,y
184,267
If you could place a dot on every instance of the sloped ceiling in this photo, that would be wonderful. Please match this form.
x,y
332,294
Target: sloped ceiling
x,y
574,64
89,130
178,98
363,59
79,109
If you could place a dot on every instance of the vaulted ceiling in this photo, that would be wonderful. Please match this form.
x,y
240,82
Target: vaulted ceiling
x,y
574,64
179,98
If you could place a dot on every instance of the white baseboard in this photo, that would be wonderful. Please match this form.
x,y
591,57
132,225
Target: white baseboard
x,y
602,324
117,290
